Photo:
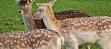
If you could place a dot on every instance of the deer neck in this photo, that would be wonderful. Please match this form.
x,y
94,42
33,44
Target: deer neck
x,y
28,21
51,23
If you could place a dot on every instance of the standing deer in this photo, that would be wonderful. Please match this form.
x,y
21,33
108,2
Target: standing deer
x,y
25,8
32,39
77,31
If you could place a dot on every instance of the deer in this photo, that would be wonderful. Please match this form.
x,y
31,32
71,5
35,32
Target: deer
x,y
77,31
25,8
31,39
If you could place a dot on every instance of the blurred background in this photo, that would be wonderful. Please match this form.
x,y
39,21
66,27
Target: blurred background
x,y
11,20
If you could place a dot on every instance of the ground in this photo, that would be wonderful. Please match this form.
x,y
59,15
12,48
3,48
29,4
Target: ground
x,y
10,20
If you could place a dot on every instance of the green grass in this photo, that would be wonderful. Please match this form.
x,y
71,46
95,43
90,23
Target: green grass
x,y
10,20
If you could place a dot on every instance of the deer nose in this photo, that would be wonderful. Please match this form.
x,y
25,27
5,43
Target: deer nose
x,y
19,11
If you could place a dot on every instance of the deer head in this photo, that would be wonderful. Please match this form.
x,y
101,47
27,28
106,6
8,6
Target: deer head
x,y
40,12
24,5
44,10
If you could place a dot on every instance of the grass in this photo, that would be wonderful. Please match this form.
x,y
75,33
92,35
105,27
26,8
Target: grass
x,y
10,20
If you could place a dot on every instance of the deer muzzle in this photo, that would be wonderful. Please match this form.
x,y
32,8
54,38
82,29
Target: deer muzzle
x,y
20,11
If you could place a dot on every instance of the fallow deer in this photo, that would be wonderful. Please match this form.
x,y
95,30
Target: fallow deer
x,y
25,8
77,31
31,39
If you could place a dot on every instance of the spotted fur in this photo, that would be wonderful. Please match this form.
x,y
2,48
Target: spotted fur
x,y
38,24
70,14
78,31
32,39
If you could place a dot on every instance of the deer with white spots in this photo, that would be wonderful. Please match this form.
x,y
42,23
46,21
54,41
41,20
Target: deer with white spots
x,y
25,8
32,39
77,31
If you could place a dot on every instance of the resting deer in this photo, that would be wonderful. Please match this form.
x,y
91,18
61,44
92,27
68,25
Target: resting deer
x,y
32,39
25,8
77,31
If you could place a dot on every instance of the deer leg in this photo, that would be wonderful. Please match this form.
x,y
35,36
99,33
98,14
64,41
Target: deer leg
x,y
73,42
80,47
67,47
74,46
87,46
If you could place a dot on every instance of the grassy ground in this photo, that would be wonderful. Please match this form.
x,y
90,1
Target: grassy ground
x,y
10,20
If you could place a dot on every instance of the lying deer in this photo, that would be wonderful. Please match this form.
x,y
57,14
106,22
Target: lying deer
x,y
32,39
25,8
77,31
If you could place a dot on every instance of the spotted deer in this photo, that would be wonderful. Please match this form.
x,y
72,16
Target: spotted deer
x,y
31,39
25,8
77,31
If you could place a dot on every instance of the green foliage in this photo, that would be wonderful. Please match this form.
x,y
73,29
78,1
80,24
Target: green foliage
x,y
10,20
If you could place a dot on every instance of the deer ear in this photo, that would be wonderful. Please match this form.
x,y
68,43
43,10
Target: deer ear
x,y
52,2
17,1
32,1
38,4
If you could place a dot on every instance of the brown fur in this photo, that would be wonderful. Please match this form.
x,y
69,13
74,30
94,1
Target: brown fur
x,y
38,38
76,30
38,24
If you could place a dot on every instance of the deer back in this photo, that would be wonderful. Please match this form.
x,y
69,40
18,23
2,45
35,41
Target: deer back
x,y
70,14
98,24
39,39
